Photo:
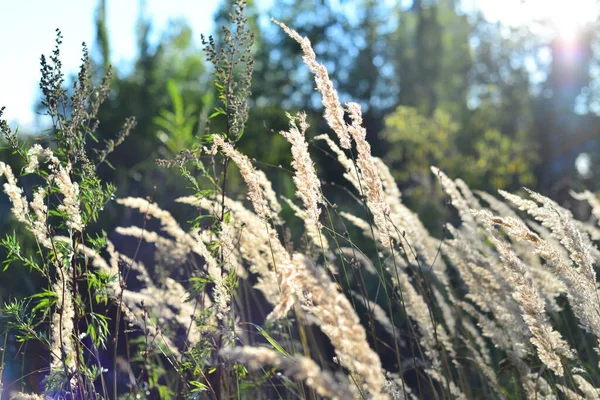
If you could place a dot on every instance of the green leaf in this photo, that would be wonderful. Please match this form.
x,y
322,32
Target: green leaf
x,y
273,342
211,116
164,392
47,298
198,284
198,386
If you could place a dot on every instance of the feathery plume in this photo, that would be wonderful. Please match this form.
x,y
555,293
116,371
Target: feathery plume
x,y
589,391
334,112
334,314
592,200
62,327
221,294
254,243
15,194
253,180
61,175
70,203
192,241
39,226
376,199
308,187
34,153
549,343
578,273
351,173
380,316
169,252
313,232
270,195
457,199
299,367
356,256
26,396
167,222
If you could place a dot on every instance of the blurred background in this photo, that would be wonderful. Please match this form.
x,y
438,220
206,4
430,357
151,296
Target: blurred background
x,y
501,94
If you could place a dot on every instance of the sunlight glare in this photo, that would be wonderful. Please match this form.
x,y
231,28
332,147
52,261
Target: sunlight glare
x,y
568,19
564,19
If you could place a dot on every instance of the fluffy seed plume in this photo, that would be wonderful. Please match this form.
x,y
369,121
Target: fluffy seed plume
x,y
319,296
62,327
308,188
301,368
376,199
61,176
549,343
70,203
252,179
15,194
334,112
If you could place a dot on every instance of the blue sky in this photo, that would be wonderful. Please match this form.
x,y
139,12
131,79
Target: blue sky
x,y
27,31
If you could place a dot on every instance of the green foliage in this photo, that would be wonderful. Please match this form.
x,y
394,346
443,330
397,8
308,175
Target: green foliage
x,y
233,66
177,126
416,141
491,160
272,341
12,246
22,322
68,197
46,299
164,77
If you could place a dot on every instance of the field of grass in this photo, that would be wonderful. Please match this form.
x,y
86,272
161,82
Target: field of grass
x,y
362,303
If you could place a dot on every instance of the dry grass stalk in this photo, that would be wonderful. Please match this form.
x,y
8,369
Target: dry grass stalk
x,y
588,390
592,200
351,172
334,112
15,194
167,303
308,186
299,367
320,296
549,343
253,243
577,274
336,317
62,328
254,180
369,175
